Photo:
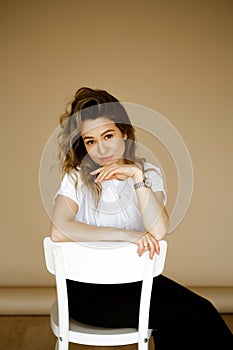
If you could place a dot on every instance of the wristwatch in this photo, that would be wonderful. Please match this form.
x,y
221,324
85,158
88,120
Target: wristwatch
x,y
145,183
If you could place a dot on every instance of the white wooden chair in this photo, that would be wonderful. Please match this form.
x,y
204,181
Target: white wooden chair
x,y
102,263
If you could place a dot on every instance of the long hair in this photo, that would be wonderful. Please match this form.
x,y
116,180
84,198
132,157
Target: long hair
x,y
89,104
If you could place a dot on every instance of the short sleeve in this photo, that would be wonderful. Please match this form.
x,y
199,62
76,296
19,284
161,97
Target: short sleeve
x,y
155,175
68,188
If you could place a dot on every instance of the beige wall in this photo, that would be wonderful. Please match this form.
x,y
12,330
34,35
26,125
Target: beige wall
x,y
172,56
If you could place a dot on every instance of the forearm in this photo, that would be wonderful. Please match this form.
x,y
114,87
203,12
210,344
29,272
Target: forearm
x,y
71,230
154,214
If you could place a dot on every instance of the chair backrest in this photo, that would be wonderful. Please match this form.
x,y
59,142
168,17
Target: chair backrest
x,y
102,262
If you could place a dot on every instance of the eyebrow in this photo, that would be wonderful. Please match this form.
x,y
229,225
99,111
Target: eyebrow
x,y
92,137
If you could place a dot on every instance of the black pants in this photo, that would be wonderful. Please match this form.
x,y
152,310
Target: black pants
x,y
180,318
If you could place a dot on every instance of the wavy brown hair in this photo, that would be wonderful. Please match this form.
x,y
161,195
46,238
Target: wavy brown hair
x,y
90,104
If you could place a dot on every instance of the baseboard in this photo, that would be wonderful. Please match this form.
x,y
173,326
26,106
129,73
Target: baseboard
x,y
221,297
37,301
26,301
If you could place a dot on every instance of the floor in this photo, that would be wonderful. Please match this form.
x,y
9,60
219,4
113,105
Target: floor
x,y
34,333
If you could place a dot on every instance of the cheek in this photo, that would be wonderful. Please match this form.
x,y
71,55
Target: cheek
x,y
92,150
88,148
120,146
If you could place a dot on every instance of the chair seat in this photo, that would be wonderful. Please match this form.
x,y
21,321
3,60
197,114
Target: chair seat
x,y
91,335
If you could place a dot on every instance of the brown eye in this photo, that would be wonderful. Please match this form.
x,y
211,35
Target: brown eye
x,y
108,136
90,142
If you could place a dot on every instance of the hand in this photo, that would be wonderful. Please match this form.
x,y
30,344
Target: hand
x,y
147,242
117,171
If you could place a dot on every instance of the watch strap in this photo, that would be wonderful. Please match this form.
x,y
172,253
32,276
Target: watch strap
x,y
139,185
145,183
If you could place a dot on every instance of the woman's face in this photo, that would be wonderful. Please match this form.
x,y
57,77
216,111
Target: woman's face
x,y
103,140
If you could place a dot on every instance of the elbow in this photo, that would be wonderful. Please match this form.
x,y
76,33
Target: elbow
x,y
56,235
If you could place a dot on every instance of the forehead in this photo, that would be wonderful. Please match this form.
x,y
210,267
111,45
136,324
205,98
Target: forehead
x,y
97,126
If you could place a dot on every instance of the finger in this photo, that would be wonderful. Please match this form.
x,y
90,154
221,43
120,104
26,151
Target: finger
x,y
104,176
146,245
140,245
106,173
157,246
96,171
100,174
145,242
155,242
151,247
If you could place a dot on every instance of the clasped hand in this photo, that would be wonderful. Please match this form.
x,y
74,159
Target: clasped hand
x,y
116,171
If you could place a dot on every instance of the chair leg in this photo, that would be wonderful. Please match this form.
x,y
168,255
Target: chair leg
x,y
143,345
61,345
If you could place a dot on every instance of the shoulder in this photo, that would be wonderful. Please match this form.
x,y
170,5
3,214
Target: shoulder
x,y
72,178
151,168
70,185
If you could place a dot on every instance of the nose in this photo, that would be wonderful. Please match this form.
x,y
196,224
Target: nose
x,y
102,148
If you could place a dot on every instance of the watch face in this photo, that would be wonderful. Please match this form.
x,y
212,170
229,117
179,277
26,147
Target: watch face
x,y
147,182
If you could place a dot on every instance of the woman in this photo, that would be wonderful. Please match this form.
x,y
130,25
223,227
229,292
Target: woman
x,y
108,193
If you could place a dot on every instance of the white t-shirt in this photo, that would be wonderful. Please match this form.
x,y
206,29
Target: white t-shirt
x,y
118,205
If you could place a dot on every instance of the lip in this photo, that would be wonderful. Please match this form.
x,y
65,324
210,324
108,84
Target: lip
x,y
106,159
